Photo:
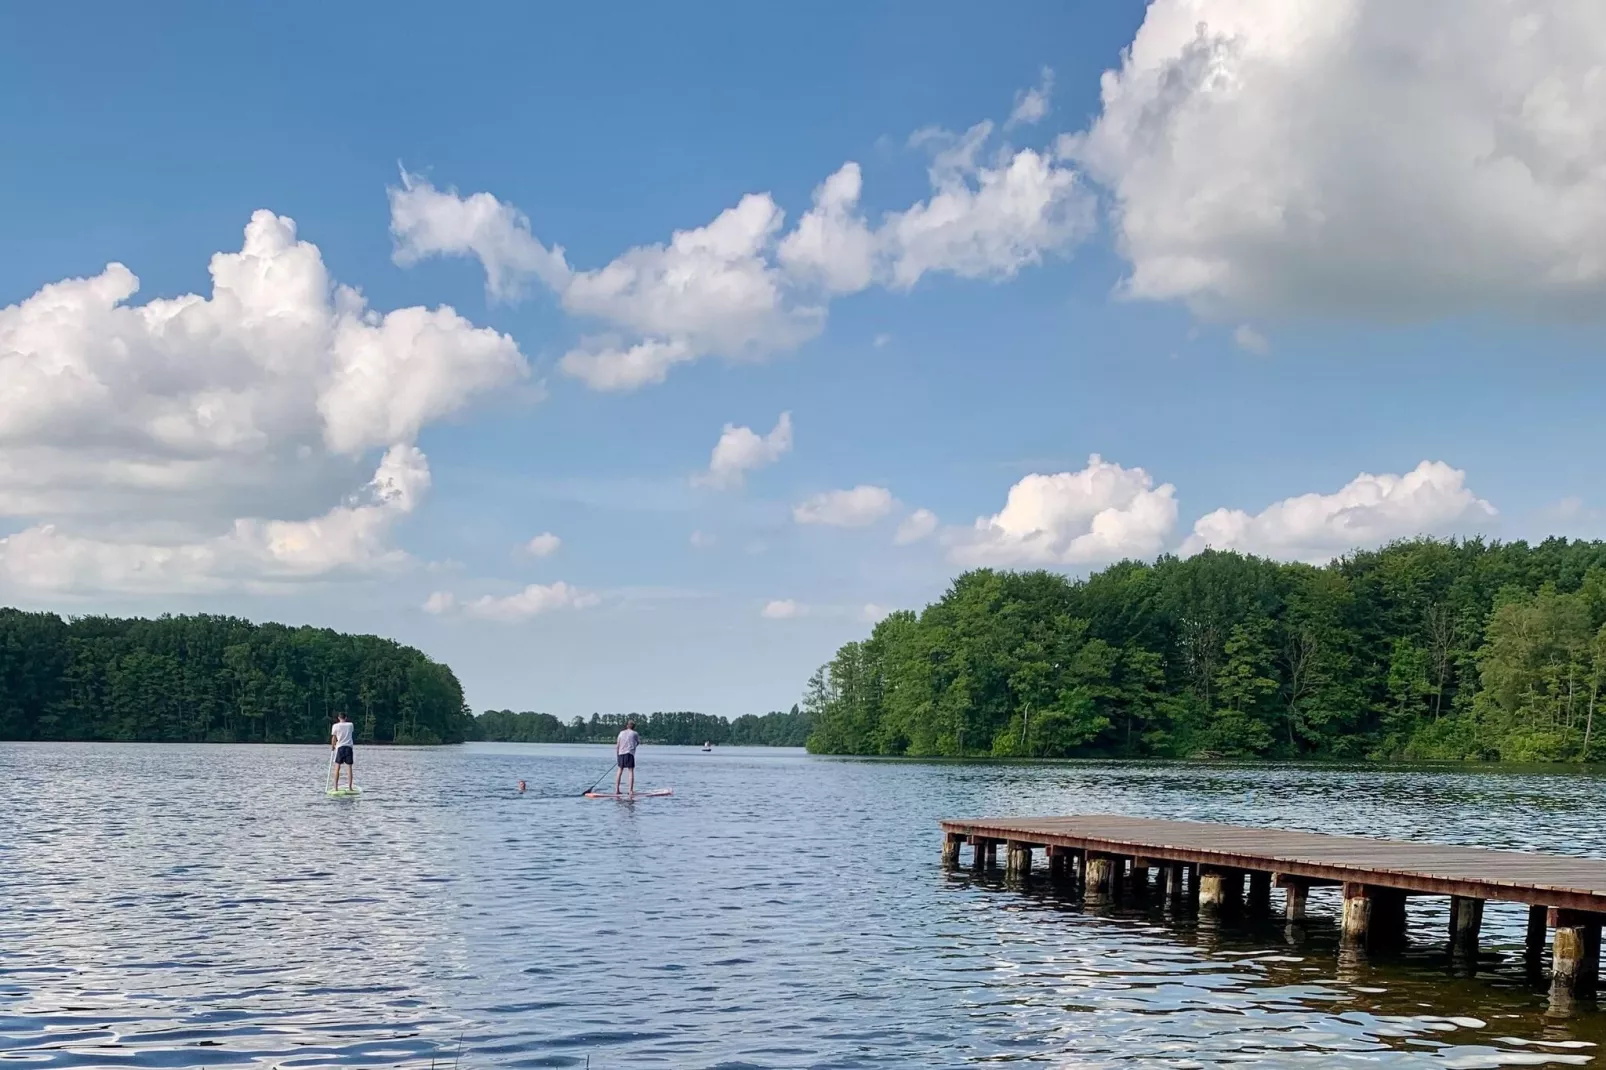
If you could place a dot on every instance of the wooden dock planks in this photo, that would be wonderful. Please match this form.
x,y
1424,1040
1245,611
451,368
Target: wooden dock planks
x,y
1423,868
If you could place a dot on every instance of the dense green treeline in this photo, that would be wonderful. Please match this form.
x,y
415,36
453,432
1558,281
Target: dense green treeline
x,y
1423,649
215,679
777,729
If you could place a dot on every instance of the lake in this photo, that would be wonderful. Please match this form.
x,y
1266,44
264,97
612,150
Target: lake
x,y
178,906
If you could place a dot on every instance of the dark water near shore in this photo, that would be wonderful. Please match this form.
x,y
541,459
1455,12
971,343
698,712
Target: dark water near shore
x,y
170,906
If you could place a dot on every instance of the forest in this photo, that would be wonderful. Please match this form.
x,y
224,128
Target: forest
x,y
775,729
216,679
1421,650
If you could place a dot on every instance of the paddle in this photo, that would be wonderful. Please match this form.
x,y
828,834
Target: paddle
x,y
595,782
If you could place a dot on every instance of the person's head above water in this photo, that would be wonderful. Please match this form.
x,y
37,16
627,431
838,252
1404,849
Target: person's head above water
x,y
630,723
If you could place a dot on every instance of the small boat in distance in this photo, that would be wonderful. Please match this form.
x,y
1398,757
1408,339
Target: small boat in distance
x,y
707,747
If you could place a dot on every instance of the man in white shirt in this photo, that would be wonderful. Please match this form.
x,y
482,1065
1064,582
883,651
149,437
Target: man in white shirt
x,y
340,735
624,749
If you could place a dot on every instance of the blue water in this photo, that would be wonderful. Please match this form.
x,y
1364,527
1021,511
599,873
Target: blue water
x,y
173,906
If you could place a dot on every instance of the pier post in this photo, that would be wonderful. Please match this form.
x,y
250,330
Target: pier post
x,y
1140,877
1221,891
1099,875
1294,896
950,848
992,854
1259,893
1466,919
1018,861
1357,923
978,853
1193,885
1534,947
1373,916
1059,866
1575,956
1173,884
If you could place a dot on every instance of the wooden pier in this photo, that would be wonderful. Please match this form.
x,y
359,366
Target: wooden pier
x,y
1207,865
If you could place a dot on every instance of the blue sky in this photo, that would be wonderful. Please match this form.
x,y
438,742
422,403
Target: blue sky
x,y
1296,292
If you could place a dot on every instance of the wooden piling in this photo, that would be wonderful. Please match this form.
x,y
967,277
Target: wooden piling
x,y
1018,860
1099,876
950,848
1575,955
1374,917
1534,946
1466,920
1221,891
1294,895
1174,890
992,854
1357,923
1259,893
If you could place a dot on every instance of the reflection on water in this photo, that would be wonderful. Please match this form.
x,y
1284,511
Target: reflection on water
x,y
208,906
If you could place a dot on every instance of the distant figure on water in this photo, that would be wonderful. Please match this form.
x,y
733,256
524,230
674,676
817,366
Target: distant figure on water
x,y
521,787
340,735
624,749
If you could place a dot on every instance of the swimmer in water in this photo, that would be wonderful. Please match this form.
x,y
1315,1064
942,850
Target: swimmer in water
x,y
521,787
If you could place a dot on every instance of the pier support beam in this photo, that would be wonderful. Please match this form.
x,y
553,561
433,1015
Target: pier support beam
x,y
1466,920
1534,947
1059,866
978,852
1259,894
1018,861
1221,891
1575,956
950,848
992,854
1294,896
1373,917
1174,889
1099,878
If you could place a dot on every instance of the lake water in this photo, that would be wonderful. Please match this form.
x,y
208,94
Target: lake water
x,y
172,906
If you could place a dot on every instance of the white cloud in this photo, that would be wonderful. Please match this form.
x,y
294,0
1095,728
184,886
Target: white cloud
x,y
1359,156
604,365
1031,105
856,508
256,555
880,340
871,613
740,287
832,244
426,222
702,540
543,545
1250,340
916,526
515,608
1431,499
152,445
741,450
781,609
1100,514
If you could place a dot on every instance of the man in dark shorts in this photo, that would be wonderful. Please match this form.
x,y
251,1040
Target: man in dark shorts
x,y
340,736
624,749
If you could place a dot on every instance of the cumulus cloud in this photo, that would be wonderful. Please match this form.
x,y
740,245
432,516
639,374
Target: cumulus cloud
x,y
543,545
425,221
781,609
1250,340
255,555
742,286
154,444
741,450
515,608
1431,499
855,508
871,613
1031,105
987,222
917,525
1358,156
1100,514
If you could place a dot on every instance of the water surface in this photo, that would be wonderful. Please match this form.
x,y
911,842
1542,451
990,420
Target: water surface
x,y
174,906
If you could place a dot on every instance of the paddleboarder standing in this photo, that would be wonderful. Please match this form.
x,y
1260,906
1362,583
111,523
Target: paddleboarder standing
x,y
624,749
340,735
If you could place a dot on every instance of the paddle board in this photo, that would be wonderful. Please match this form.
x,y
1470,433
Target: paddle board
x,y
659,794
343,793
